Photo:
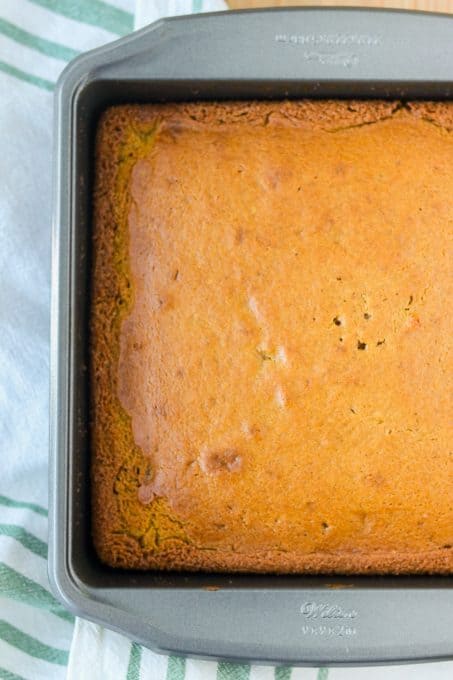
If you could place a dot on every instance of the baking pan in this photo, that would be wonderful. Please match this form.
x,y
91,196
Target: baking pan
x,y
309,620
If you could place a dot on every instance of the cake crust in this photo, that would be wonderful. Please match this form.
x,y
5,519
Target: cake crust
x,y
270,336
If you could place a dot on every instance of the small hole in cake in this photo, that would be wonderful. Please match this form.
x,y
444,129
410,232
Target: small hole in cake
x,y
341,339
265,356
361,345
367,316
410,301
325,527
337,321
380,342
447,546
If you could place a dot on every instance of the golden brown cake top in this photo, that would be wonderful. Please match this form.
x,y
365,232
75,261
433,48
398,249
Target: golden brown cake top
x,y
281,359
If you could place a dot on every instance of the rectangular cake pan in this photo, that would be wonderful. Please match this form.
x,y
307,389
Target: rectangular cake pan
x,y
284,53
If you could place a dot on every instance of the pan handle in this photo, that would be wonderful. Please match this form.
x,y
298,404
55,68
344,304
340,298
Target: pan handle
x,y
290,626
294,52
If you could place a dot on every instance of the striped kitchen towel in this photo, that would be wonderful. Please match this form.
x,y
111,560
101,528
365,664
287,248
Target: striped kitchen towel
x,y
38,638
37,39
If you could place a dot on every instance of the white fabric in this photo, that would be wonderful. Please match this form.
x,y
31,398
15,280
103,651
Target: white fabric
x,y
147,11
97,653
25,216
35,43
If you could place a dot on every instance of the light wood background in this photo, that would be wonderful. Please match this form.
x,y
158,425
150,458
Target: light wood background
x,y
427,5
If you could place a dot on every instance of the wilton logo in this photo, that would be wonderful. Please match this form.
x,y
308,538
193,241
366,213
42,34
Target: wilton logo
x,y
319,610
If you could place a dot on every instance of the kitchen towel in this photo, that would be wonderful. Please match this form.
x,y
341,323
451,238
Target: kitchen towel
x,y
37,39
38,638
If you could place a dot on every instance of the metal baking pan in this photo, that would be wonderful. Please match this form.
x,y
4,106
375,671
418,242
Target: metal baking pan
x,y
309,620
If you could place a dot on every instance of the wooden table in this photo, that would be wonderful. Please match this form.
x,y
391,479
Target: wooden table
x,y
427,5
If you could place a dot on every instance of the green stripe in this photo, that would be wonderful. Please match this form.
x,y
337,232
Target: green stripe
x,y
15,637
26,77
283,673
7,675
176,668
35,545
232,671
94,12
135,660
18,587
323,674
21,504
46,47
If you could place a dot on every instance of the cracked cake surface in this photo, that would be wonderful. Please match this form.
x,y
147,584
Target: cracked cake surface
x,y
270,336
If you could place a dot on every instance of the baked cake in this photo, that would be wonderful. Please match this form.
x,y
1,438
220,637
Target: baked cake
x,y
270,328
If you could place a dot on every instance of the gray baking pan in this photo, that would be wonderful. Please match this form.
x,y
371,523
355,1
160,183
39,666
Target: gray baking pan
x,y
252,54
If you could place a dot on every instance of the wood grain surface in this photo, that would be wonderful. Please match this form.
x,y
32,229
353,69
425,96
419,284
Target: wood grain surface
x,y
427,5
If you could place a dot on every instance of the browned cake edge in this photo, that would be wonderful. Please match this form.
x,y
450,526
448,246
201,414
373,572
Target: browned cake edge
x,y
121,525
